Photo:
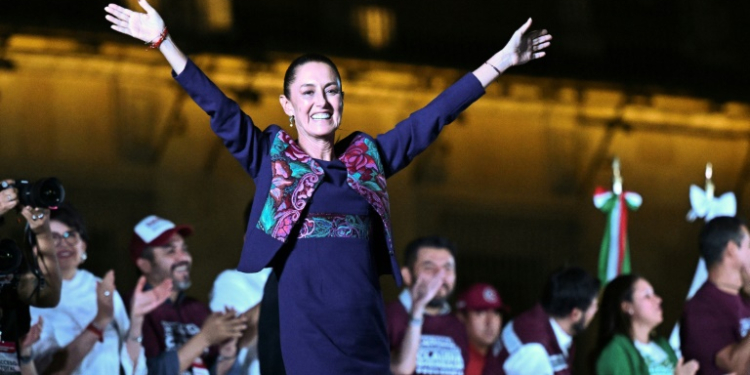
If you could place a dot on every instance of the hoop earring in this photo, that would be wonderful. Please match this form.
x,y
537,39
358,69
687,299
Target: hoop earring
x,y
291,121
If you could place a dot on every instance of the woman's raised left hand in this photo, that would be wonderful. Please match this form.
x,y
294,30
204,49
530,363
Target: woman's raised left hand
x,y
144,26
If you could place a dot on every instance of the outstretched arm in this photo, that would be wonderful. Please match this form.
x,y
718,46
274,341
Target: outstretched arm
x,y
147,27
522,47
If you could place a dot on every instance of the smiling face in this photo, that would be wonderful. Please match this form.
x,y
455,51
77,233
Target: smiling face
x,y
69,246
170,261
315,100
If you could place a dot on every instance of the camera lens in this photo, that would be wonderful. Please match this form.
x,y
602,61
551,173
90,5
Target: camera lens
x,y
49,192
44,193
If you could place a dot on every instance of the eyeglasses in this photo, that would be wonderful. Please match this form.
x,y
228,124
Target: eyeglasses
x,y
70,237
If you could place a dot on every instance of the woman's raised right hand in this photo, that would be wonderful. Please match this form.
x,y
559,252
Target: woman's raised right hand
x,y
144,26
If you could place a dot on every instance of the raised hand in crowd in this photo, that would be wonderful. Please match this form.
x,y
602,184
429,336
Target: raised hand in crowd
x,y
8,197
104,301
686,368
424,290
220,327
143,302
31,337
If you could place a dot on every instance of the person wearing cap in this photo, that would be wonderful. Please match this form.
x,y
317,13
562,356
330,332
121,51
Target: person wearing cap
x,y
425,338
180,335
90,332
242,292
540,340
480,308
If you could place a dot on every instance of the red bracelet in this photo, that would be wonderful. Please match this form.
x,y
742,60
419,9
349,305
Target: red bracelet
x,y
91,327
158,42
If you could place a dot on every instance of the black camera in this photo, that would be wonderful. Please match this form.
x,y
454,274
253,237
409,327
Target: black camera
x,y
10,257
44,193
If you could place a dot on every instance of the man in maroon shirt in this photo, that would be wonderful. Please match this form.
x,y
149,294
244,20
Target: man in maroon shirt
x,y
425,338
480,309
177,335
715,322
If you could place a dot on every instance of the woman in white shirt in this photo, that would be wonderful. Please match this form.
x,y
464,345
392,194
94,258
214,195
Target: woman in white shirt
x,y
629,312
90,332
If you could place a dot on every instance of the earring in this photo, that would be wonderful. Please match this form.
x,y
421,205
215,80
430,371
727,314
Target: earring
x,y
83,257
291,121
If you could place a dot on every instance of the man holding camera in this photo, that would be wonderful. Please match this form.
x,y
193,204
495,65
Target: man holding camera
x,y
24,280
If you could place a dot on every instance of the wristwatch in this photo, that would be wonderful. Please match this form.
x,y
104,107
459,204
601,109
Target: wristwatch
x,y
26,359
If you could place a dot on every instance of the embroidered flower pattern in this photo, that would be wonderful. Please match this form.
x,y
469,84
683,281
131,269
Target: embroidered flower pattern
x,y
335,225
365,175
295,175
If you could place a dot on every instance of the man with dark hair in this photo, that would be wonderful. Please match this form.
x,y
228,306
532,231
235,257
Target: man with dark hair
x,y
540,341
715,322
177,335
425,338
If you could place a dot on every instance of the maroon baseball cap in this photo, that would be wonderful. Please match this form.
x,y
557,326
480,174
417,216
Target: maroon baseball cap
x,y
154,231
481,296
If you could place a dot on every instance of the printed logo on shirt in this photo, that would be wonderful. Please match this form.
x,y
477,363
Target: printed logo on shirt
x,y
176,334
439,355
8,360
744,326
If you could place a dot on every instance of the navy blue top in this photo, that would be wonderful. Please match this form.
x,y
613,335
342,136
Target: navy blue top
x,y
331,312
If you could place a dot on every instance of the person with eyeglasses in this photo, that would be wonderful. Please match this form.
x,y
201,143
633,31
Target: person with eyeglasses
x,y
28,277
90,332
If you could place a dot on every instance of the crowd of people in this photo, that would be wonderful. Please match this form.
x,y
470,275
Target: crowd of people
x,y
305,297
158,329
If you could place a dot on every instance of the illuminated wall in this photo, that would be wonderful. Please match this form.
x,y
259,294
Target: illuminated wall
x,y
510,181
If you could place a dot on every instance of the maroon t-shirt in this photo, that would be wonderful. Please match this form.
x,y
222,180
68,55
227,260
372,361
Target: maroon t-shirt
x,y
444,346
496,356
711,320
169,327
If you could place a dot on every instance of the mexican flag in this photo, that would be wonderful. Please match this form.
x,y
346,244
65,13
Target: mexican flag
x,y
614,257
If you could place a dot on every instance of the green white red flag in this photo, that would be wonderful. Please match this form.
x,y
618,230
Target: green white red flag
x,y
614,257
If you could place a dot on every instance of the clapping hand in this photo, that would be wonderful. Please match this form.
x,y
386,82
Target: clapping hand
x,y
222,326
105,290
143,303
144,26
686,368
31,337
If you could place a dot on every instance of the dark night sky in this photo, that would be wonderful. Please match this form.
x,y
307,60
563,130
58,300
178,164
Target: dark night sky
x,y
688,46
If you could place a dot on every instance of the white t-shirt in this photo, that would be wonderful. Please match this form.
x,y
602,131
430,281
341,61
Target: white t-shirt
x,y
656,358
77,308
532,358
